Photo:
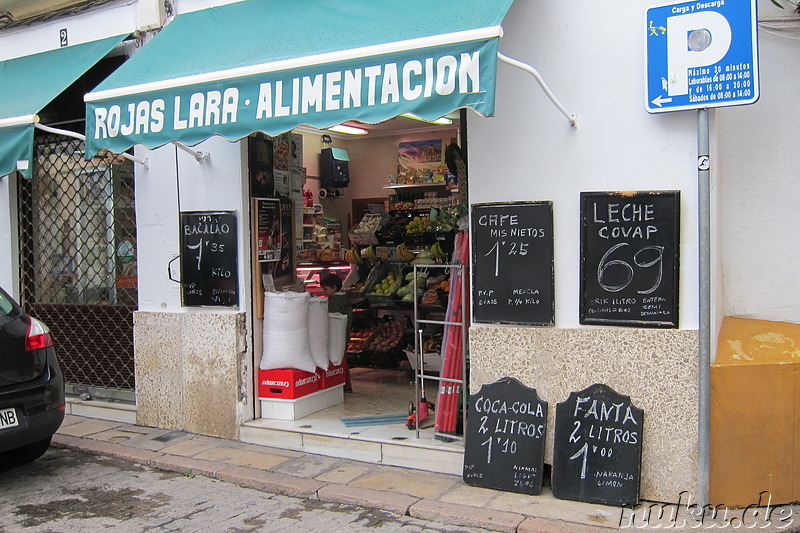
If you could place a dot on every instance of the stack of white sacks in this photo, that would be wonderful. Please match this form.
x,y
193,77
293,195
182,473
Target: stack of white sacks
x,y
300,333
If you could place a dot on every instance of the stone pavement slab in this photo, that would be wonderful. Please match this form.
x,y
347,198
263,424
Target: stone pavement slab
x,y
442,498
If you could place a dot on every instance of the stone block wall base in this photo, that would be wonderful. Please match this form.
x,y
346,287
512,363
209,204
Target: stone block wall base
x,y
657,368
187,370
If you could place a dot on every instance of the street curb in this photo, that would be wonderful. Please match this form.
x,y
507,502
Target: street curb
x,y
97,447
376,499
177,463
465,515
543,525
266,481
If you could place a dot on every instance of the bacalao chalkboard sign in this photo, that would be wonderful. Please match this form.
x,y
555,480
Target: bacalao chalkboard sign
x,y
629,258
504,446
512,257
597,448
209,273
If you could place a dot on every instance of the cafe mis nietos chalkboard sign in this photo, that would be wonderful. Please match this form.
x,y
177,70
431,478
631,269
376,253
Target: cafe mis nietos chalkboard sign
x,y
597,448
512,257
504,448
209,272
629,258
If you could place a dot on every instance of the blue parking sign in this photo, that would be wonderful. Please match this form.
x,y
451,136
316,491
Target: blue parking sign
x,y
701,54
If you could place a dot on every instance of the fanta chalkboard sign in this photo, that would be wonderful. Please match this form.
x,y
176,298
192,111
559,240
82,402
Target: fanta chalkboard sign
x,y
597,448
209,272
504,447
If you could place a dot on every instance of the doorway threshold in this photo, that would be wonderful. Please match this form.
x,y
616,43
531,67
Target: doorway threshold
x,y
343,430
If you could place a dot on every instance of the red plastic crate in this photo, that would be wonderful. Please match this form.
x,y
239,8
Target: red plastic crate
x,y
331,377
287,383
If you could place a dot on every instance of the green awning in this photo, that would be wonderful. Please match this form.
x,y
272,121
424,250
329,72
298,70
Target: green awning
x,y
271,65
28,84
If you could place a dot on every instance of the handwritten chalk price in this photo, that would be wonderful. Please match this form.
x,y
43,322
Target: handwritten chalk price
x,y
640,260
510,249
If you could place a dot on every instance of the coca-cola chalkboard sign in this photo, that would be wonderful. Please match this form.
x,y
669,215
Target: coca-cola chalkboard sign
x,y
629,258
209,272
512,257
504,448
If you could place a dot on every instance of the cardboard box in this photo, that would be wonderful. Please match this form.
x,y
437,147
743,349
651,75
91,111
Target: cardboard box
x,y
286,383
335,375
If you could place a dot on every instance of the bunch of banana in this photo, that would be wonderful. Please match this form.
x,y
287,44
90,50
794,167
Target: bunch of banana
x,y
404,254
353,257
370,252
437,251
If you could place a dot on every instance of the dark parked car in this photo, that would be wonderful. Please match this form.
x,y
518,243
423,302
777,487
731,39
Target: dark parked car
x,y
31,385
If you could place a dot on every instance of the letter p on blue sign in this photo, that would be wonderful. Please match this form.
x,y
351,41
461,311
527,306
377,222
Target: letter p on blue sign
x,y
701,54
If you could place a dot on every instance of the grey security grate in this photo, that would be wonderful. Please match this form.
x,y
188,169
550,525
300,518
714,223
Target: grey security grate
x,y
77,232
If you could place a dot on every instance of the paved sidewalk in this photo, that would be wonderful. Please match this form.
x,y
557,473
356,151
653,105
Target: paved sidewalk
x,y
431,496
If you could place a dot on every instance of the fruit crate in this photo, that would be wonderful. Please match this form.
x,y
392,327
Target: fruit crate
x,y
370,224
376,275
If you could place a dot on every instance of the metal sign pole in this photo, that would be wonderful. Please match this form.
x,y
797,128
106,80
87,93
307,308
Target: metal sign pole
x,y
704,356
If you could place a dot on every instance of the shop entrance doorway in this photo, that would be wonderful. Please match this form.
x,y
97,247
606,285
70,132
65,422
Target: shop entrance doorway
x,y
400,180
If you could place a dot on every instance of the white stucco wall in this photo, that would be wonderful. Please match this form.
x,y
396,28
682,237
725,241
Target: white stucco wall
x,y
116,19
591,55
215,185
9,242
759,186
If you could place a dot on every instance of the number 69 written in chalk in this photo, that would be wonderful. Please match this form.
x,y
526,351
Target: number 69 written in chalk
x,y
607,263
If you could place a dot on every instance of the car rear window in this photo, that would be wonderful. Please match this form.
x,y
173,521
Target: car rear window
x,y
8,308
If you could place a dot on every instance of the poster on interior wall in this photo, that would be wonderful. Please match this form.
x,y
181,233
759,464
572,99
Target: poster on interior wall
x,y
420,162
630,247
296,150
262,181
283,152
298,179
282,271
268,220
283,183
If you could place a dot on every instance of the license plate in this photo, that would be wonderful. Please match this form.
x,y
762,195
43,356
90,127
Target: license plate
x,y
8,418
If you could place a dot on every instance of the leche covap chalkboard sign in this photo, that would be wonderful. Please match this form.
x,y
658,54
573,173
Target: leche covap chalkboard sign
x,y
597,448
504,448
512,257
209,272
629,258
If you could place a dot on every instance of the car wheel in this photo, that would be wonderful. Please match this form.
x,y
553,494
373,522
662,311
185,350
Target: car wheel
x,y
26,454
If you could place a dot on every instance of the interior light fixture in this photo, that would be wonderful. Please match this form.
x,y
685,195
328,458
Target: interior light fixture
x,y
444,121
341,128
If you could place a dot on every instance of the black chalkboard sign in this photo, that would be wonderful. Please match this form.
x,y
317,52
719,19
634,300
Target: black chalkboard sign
x,y
597,448
504,447
629,258
209,256
512,257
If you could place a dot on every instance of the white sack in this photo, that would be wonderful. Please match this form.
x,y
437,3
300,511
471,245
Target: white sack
x,y
318,330
337,337
286,332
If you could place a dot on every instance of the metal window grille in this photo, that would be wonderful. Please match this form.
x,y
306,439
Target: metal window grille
x,y
77,231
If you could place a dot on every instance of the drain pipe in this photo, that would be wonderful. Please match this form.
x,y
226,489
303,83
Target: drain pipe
x,y
704,355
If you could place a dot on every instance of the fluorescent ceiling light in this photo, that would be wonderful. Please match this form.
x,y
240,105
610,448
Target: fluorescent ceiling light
x,y
444,121
341,128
